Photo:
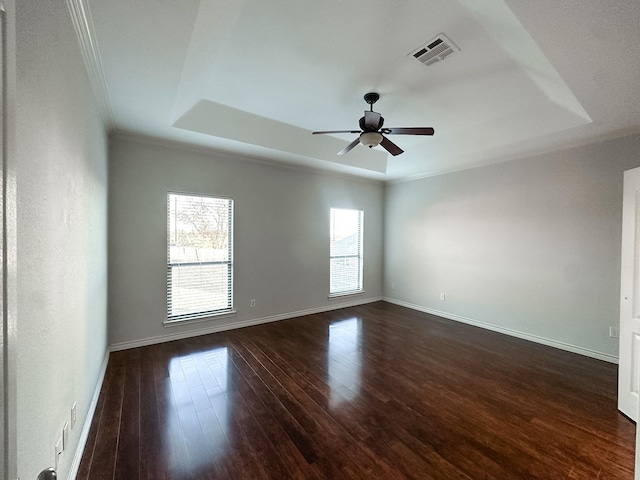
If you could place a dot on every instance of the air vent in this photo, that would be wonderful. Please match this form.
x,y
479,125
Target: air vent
x,y
434,50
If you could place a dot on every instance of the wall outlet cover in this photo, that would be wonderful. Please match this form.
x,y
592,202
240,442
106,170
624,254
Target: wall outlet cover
x,y
65,435
74,414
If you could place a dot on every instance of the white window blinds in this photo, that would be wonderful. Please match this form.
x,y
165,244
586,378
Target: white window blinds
x,y
199,256
345,251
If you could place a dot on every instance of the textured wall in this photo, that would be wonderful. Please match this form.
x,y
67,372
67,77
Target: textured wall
x,y
281,234
62,246
531,246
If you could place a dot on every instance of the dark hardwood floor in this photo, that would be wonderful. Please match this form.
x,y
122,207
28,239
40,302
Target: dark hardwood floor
x,y
376,391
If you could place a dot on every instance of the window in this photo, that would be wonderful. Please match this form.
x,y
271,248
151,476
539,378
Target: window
x,y
345,251
199,256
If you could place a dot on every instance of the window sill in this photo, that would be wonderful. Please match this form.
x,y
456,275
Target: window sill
x,y
345,294
205,318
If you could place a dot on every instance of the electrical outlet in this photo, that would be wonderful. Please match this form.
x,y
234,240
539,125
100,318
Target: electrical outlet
x,y
393,285
614,332
65,435
253,302
74,414
443,297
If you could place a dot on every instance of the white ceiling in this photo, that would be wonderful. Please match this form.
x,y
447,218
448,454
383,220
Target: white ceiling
x,y
255,77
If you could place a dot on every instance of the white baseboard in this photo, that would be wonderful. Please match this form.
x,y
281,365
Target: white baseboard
x,y
84,435
507,331
238,324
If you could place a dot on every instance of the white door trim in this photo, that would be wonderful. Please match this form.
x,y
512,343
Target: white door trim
x,y
629,377
8,239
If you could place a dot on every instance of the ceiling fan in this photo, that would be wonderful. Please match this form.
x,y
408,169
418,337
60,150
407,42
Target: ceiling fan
x,y
371,131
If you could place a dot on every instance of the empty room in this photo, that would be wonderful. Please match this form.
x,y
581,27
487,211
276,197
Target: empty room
x,y
320,240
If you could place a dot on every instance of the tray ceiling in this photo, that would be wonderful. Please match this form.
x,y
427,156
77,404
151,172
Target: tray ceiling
x,y
255,78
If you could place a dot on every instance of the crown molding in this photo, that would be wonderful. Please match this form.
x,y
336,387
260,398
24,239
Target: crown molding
x,y
591,140
83,26
134,137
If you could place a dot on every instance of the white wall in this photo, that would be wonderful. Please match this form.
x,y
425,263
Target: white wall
x,y
62,238
281,229
530,246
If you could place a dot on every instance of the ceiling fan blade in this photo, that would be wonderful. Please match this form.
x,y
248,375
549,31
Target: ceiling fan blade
x,y
372,120
349,147
336,131
390,147
409,131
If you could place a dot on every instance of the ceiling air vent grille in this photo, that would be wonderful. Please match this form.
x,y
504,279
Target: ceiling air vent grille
x,y
434,50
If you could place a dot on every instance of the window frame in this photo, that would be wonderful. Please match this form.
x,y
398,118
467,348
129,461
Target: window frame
x,y
359,256
205,314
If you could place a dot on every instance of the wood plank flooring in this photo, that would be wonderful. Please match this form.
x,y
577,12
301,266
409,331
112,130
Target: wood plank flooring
x,y
370,392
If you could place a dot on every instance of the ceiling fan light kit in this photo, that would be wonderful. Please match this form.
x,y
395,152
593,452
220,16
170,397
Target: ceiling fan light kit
x,y
371,132
370,139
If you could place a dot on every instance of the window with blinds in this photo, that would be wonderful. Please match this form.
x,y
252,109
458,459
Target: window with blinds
x,y
199,256
345,251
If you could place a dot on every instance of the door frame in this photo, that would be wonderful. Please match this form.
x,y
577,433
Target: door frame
x,y
629,343
8,242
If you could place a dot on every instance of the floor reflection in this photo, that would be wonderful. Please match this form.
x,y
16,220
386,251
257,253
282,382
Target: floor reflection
x,y
198,409
344,360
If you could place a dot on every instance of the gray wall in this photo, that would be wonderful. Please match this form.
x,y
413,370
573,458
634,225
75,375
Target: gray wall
x,y
61,154
530,247
281,229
